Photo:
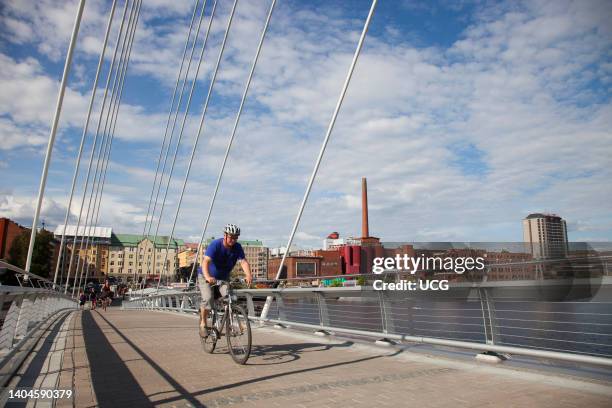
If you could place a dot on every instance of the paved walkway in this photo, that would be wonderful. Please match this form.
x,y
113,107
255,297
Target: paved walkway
x,y
136,358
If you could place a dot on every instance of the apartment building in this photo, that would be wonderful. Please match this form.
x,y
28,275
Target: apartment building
x,y
131,255
546,235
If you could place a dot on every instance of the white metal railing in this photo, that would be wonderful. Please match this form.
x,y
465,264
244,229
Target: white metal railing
x,y
24,307
470,315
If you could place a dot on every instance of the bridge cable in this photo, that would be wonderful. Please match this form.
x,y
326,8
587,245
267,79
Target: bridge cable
x,y
198,134
105,138
232,135
93,147
322,151
114,124
195,145
208,96
104,146
85,128
327,135
181,93
162,149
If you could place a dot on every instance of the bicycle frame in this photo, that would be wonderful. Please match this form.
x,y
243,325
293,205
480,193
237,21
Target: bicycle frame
x,y
218,320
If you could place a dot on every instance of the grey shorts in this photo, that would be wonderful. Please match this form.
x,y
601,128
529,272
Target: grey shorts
x,y
207,292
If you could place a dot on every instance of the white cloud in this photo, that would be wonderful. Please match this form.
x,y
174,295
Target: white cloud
x,y
525,85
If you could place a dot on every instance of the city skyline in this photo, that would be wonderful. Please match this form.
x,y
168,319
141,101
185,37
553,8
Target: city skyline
x,y
464,119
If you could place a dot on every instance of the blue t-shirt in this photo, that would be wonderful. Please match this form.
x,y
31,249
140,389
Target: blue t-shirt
x,y
223,259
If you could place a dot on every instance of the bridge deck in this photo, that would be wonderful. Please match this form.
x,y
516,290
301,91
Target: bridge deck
x,y
133,358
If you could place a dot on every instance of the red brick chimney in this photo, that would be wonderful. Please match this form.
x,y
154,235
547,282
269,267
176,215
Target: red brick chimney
x,y
365,230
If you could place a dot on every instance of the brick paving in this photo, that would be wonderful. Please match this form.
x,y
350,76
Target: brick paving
x,y
137,358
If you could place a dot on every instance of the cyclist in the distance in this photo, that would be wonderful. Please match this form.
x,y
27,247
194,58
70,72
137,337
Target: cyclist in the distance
x,y
219,260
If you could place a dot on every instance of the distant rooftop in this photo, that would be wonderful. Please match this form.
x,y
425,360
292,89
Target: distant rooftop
x,y
97,232
542,215
134,239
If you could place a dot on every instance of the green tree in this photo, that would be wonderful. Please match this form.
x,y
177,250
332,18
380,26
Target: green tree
x,y
41,256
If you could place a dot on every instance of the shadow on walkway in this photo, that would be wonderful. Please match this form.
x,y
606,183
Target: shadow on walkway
x,y
184,394
286,353
112,381
35,367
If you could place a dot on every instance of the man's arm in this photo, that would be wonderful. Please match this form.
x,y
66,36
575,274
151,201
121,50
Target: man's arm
x,y
205,271
247,270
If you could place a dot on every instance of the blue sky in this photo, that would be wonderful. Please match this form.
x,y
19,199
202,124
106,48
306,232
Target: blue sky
x,y
464,116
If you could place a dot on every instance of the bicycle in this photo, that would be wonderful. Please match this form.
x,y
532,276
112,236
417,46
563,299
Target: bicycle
x,y
236,323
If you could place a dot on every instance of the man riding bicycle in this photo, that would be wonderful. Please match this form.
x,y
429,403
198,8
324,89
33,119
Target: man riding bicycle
x,y
219,260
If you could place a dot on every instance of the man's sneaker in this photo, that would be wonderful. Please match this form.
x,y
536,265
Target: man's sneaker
x,y
203,331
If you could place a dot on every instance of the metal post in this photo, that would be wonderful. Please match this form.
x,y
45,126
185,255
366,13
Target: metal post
x,y
58,110
323,311
281,307
250,305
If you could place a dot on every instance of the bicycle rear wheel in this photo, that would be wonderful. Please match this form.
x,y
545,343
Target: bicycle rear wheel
x,y
210,342
238,333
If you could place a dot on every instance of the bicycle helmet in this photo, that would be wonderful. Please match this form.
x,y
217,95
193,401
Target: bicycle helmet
x,y
232,229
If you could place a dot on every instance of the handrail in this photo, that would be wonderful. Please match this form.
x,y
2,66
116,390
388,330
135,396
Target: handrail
x,y
379,314
30,275
22,310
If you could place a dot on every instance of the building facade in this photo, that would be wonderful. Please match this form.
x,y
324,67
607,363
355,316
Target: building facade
x,y
546,235
105,253
131,255
295,266
91,246
9,230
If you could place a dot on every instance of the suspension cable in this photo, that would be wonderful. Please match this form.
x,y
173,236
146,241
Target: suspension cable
x,y
114,122
78,161
180,137
93,147
327,135
231,139
178,108
161,152
104,146
193,85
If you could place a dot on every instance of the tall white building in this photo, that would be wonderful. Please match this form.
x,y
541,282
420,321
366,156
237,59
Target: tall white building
x,y
546,235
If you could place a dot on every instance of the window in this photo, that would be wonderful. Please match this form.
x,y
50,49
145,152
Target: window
x,y
112,262
305,269
131,256
131,263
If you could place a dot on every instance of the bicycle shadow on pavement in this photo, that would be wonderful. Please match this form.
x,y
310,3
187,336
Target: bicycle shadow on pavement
x,y
287,353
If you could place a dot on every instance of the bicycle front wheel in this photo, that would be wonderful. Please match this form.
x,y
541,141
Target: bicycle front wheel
x,y
238,333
